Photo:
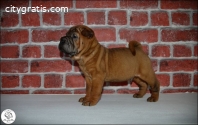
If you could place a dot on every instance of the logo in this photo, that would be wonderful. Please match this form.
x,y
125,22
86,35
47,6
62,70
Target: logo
x,y
8,116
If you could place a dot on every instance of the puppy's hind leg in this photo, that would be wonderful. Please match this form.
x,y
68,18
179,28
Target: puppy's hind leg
x,y
142,87
154,90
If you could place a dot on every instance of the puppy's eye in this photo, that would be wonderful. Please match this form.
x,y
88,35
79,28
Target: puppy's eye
x,y
74,36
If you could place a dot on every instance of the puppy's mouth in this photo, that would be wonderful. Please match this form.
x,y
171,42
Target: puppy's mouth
x,y
72,54
67,46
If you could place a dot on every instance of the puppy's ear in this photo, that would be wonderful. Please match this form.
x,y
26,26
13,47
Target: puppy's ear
x,y
89,33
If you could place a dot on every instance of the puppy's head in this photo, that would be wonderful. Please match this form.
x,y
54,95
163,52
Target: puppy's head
x,y
75,40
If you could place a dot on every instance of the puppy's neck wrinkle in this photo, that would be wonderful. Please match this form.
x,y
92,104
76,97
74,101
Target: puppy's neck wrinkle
x,y
92,51
80,53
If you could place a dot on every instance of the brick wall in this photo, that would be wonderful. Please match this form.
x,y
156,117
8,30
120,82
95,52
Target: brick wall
x,y
32,64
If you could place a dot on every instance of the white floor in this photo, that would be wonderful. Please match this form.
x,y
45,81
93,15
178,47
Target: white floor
x,y
112,109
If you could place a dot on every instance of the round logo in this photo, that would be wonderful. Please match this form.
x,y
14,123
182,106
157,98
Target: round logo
x,y
8,116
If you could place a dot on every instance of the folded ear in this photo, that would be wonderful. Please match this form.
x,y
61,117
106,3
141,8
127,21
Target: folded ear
x,y
89,33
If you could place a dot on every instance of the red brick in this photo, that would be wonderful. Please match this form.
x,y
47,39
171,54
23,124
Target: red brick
x,y
10,81
133,84
154,64
15,3
46,35
181,80
51,19
96,4
12,36
195,21
31,81
52,3
195,80
75,81
160,51
159,19
180,18
178,65
178,4
117,18
173,35
30,19
9,51
74,18
108,91
179,90
105,34
124,83
95,18
126,91
14,66
138,4
14,91
31,52
50,66
182,51
80,91
117,46
52,92
140,35
76,67
196,50
145,48
52,51
164,79
139,18
53,81
9,19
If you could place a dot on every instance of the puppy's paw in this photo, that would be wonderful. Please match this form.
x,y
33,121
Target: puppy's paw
x,y
89,103
136,95
83,99
152,99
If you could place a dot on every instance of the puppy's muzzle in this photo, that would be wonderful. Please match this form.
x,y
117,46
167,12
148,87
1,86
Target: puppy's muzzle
x,y
61,44
67,46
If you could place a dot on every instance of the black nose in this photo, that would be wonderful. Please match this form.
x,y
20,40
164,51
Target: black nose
x,y
62,39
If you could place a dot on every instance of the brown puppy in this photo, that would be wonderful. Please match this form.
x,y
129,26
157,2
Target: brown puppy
x,y
100,64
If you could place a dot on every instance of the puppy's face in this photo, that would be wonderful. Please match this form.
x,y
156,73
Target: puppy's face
x,y
75,40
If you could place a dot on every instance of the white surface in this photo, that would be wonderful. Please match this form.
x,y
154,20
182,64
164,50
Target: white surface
x,y
112,109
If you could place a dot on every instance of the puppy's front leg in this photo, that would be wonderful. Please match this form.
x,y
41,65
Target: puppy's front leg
x,y
96,90
88,90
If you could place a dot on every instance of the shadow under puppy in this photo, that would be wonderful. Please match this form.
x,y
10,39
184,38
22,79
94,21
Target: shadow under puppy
x,y
100,64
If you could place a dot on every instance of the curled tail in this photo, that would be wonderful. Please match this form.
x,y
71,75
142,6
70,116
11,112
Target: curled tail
x,y
133,45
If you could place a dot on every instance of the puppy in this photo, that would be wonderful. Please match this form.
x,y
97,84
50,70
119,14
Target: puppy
x,y
100,64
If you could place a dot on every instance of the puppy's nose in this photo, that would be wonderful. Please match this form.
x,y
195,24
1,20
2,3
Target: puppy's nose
x,y
62,39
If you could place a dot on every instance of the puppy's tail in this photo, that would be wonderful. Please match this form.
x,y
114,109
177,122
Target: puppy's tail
x,y
133,45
